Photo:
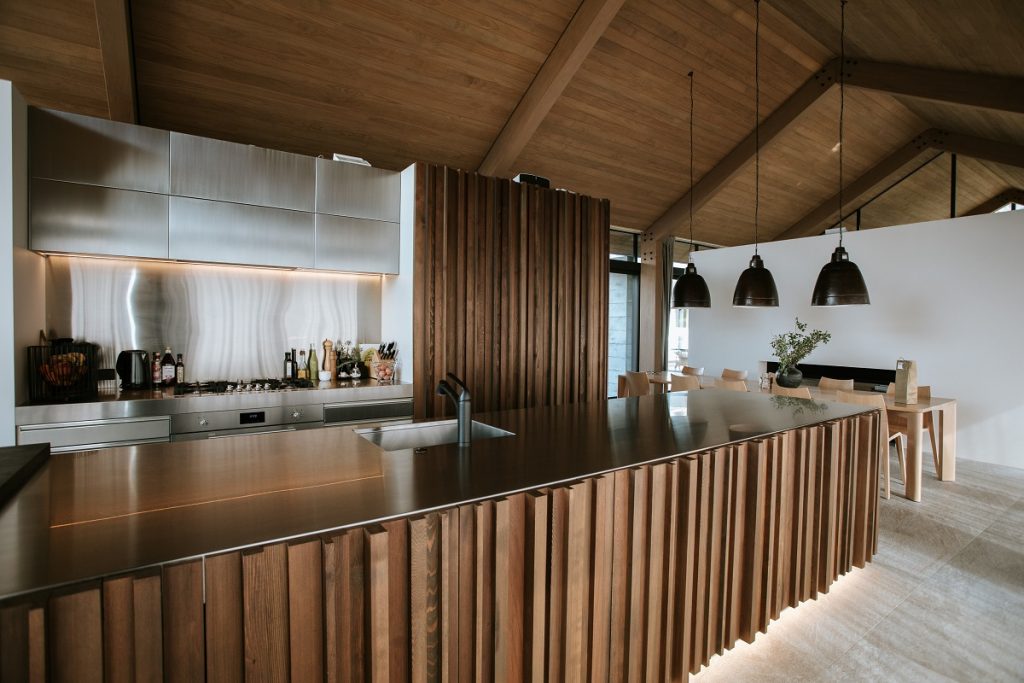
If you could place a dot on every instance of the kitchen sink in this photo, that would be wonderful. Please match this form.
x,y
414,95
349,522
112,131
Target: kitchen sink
x,y
426,434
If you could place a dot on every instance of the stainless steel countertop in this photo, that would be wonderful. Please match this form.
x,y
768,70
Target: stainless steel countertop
x,y
98,513
158,403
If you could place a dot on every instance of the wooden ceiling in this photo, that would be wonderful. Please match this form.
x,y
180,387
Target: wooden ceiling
x,y
403,81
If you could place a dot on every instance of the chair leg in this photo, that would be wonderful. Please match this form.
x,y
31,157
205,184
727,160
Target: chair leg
x,y
901,456
885,471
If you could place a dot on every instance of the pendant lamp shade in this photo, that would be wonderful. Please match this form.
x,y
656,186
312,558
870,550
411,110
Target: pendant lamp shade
x,y
840,283
756,286
690,290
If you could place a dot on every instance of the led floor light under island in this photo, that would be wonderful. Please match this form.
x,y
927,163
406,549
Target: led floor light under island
x,y
632,538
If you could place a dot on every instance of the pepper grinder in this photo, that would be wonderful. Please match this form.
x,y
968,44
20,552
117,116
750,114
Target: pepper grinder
x,y
330,358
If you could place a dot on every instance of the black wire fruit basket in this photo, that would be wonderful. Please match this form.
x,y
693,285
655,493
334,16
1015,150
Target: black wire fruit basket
x,y
62,372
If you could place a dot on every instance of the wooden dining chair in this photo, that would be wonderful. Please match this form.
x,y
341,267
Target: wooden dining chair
x,y
732,384
899,421
829,384
878,401
684,382
696,372
637,384
798,392
734,374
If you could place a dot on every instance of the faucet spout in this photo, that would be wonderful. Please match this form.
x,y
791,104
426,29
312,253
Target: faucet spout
x,y
463,402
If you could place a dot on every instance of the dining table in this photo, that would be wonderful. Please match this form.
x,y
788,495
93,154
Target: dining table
x,y
944,410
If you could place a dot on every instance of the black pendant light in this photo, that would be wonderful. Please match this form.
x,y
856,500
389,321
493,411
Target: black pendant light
x,y
690,290
840,282
756,286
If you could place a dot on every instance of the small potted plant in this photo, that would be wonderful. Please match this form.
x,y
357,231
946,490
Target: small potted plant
x,y
791,348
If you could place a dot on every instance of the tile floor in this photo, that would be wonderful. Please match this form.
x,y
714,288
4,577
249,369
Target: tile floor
x,y
943,599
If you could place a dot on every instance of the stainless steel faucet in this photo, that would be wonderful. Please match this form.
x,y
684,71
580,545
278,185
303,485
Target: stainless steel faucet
x,y
463,410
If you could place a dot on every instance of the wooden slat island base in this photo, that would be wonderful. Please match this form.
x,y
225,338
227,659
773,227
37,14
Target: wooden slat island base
x,y
641,573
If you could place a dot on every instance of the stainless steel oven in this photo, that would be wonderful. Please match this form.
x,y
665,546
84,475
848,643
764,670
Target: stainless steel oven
x,y
222,423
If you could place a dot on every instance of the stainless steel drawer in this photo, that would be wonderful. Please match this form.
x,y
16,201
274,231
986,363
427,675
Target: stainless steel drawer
x,y
94,151
231,172
86,219
74,436
222,232
344,189
357,245
337,413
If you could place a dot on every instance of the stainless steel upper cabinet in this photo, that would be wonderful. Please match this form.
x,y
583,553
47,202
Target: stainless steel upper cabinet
x,y
224,232
356,244
86,219
344,189
230,172
85,149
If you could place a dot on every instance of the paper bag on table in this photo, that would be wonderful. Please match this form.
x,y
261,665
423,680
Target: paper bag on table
x,y
906,382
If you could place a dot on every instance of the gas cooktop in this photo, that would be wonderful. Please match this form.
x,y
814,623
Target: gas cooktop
x,y
248,386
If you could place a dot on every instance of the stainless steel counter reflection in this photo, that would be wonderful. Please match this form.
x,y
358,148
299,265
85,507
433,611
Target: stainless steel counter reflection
x,y
127,508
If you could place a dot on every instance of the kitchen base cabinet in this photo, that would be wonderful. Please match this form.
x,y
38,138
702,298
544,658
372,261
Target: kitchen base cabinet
x,y
640,573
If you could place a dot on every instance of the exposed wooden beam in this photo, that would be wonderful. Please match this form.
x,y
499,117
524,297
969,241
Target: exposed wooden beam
x,y
116,50
675,217
581,34
979,148
943,141
814,222
1004,93
1015,195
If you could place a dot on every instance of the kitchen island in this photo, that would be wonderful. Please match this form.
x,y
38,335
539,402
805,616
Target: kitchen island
x,y
633,537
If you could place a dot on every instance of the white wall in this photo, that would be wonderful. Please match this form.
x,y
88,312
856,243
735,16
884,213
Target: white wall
x,y
396,291
948,294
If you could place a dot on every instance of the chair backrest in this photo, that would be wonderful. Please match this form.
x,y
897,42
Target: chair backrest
x,y
684,383
734,374
798,392
696,372
863,398
829,384
637,384
922,391
732,384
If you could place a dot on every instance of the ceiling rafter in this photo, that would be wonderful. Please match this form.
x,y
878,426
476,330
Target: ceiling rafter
x,y
581,34
814,221
949,86
1015,195
733,162
114,26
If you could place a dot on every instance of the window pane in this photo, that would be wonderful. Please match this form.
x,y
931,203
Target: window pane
x,y
621,246
678,337
623,299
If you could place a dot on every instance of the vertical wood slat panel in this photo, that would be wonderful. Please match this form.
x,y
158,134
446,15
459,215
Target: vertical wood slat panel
x,y
484,563
658,549
266,625
398,609
75,636
604,520
619,627
118,630
578,582
183,625
305,610
511,291
149,656
224,629
344,610
425,596
378,658
641,508
509,578
557,584
450,588
538,517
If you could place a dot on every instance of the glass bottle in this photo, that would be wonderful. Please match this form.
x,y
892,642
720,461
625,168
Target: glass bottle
x,y
179,371
167,368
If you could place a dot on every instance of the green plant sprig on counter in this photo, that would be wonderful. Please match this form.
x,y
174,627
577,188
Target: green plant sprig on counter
x,y
792,347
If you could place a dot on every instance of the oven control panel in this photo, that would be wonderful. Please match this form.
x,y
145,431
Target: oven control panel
x,y
224,421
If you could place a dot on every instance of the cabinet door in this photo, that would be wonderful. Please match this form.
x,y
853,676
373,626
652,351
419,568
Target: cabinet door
x,y
230,172
356,245
344,189
222,232
86,219
93,151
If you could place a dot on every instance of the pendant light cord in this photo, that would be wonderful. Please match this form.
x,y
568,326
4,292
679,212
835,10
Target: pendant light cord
x,y
842,106
690,76
757,115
